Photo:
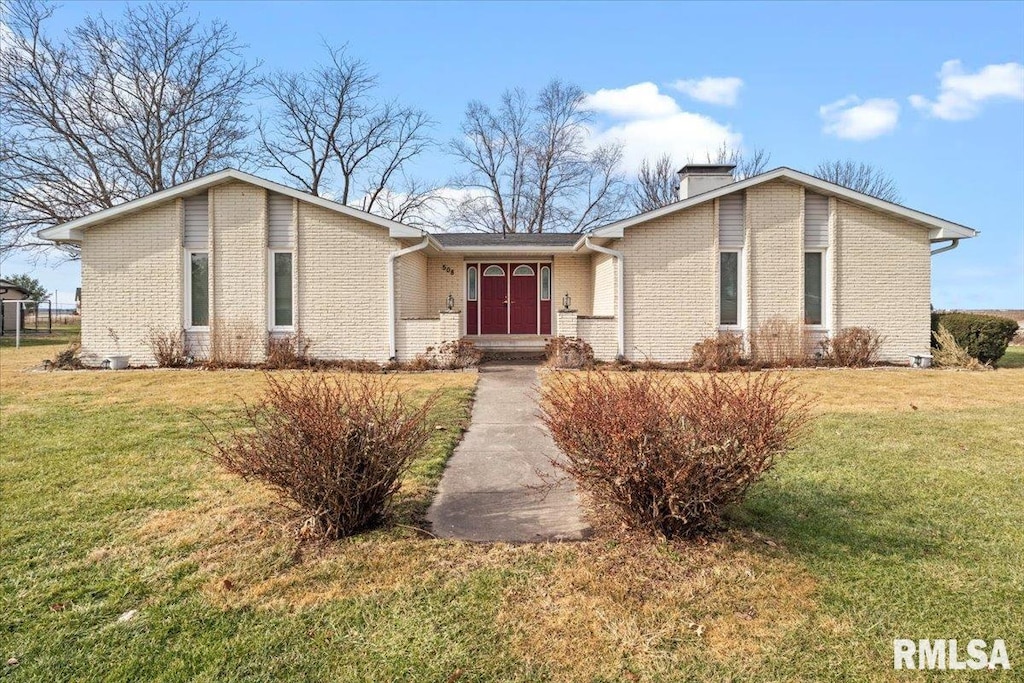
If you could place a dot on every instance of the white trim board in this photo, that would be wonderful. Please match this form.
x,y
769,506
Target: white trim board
x,y
940,229
72,230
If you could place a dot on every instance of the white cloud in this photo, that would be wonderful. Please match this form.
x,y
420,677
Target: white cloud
x,y
636,101
724,91
961,94
649,123
852,119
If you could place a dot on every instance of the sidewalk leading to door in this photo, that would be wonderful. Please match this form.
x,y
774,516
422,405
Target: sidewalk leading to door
x,y
499,484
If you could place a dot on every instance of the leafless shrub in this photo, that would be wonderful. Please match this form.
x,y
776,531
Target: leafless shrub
x,y
334,450
167,347
569,352
778,342
724,351
671,452
852,347
234,344
68,358
457,354
288,352
949,354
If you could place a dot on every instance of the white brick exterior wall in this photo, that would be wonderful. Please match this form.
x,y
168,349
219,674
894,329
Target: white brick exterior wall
x,y
571,274
411,294
342,266
883,279
131,283
878,276
440,282
238,229
414,336
670,283
774,253
605,290
600,333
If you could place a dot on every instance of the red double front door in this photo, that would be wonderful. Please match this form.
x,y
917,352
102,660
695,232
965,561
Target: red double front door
x,y
509,298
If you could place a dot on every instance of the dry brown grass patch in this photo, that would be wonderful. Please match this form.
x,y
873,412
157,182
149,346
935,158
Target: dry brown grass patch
x,y
603,609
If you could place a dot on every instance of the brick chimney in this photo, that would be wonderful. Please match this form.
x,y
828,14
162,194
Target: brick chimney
x,y
695,179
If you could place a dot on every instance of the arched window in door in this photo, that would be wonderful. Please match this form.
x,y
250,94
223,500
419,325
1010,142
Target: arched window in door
x,y
523,271
494,271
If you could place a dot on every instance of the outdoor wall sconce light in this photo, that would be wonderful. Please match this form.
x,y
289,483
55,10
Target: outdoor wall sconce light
x,y
566,302
450,301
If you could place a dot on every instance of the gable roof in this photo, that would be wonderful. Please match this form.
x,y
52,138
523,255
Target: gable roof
x,y
940,229
7,285
72,230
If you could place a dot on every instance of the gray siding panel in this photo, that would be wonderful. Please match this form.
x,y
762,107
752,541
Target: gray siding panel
x,y
731,210
815,220
197,222
279,220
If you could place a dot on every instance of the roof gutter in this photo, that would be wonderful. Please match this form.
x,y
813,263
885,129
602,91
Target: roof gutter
x,y
392,257
953,244
620,299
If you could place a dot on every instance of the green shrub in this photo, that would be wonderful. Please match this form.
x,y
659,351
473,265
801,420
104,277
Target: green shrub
x,y
985,337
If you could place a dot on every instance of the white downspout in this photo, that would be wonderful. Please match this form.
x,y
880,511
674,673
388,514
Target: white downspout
x,y
620,299
391,292
954,243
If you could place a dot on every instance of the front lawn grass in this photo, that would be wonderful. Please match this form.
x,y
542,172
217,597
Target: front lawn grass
x,y
1013,358
898,516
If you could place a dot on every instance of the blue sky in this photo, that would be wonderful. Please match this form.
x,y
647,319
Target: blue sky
x,y
953,141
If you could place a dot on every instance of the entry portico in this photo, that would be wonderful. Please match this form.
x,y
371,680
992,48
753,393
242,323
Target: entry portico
x,y
502,292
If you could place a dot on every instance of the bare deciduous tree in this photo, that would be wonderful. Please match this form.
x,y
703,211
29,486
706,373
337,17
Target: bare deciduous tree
x,y
530,168
747,165
115,110
860,177
657,182
328,133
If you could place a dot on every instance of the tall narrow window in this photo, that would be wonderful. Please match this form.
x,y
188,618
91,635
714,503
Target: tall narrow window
x,y
199,289
545,283
282,289
729,288
471,284
813,288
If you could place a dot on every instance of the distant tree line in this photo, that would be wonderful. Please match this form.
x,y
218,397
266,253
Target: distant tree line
x,y
119,108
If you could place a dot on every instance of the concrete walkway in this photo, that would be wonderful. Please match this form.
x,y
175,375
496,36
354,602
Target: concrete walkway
x,y
500,484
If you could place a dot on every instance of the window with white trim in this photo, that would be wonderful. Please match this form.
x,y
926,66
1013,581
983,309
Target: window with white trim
x,y
494,271
282,299
523,271
729,289
197,290
545,283
814,288
471,284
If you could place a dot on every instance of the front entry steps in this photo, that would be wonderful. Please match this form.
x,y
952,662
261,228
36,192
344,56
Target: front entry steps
x,y
509,346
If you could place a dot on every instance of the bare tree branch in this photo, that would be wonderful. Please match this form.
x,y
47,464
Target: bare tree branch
x,y
113,111
860,177
327,132
529,169
656,184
